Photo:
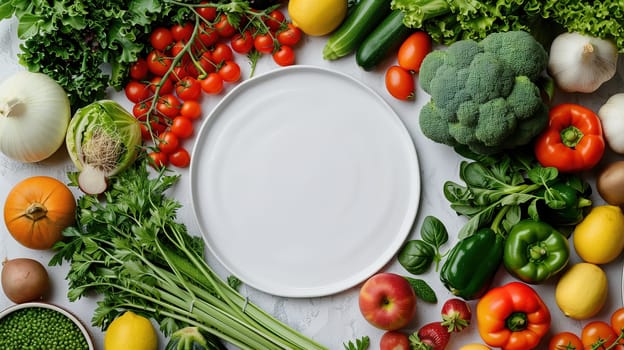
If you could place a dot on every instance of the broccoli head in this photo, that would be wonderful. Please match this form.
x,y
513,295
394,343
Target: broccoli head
x,y
484,95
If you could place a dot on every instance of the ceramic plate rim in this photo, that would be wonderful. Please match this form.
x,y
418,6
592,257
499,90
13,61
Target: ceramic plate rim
x,y
399,238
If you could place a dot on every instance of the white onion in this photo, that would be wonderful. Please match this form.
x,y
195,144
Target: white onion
x,y
34,115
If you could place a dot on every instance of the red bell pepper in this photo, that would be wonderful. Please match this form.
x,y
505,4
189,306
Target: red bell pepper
x,y
512,317
572,141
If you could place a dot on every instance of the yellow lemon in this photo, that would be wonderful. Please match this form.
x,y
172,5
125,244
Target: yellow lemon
x,y
317,17
130,332
475,346
599,238
582,290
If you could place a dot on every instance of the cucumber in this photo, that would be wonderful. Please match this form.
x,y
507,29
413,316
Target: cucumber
x,y
385,38
364,17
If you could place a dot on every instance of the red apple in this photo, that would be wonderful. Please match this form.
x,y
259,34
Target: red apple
x,y
387,301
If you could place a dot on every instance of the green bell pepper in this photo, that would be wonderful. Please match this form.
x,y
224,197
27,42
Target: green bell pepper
x,y
472,263
574,209
535,251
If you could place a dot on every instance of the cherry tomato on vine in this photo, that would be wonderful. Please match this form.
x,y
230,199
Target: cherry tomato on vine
x,y
145,133
617,320
182,127
230,72
191,109
158,63
139,70
177,47
166,87
224,27
140,110
222,52
206,37
275,19
168,105
168,142
284,56
158,126
136,91
264,43
208,13
565,341
413,50
182,32
158,159
242,42
161,38
597,331
212,83
400,83
180,158
188,88
289,36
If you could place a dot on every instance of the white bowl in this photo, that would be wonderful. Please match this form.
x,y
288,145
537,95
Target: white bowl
x,y
66,313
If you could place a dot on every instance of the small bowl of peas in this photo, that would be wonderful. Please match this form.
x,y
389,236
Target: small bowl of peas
x,y
38,325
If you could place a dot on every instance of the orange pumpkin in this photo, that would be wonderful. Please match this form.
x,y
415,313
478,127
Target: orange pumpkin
x,y
37,210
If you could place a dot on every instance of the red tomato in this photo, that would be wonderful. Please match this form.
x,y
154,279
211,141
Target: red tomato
x,y
230,72
264,43
146,135
242,42
284,56
182,127
289,36
207,36
139,70
565,341
180,158
177,47
168,105
191,109
413,50
221,53
188,88
182,32
224,27
275,20
617,320
212,83
168,142
140,110
208,13
158,159
597,332
136,91
394,340
166,87
161,38
400,83
158,63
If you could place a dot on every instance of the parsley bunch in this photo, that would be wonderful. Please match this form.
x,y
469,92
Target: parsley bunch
x,y
129,248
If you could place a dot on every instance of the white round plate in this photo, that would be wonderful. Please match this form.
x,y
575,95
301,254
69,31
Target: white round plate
x,y
304,182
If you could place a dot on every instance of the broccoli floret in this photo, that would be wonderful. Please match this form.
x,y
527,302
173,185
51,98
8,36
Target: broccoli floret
x,y
484,94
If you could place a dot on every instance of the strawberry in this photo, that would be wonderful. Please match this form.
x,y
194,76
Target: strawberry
x,y
432,336
456,315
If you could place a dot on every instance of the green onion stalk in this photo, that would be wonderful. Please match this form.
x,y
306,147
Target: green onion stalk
x,y
127,247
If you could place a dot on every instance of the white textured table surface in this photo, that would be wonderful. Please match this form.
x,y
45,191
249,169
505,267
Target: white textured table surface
x,y
335,319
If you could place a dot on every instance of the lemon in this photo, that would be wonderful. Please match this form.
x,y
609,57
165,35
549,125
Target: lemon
x,y
599,238
582,291
317,17
130,332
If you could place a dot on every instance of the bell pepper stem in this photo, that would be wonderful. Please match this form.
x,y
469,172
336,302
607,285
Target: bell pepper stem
x,y
571,136
537,252
516,322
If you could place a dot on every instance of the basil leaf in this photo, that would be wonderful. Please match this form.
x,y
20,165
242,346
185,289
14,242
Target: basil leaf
x,y
434,232
416,256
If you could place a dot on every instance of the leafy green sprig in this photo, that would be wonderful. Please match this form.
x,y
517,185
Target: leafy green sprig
x,y
128,247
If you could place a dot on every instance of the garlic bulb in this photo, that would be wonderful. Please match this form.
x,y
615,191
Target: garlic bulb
x,y
581,63
34,115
